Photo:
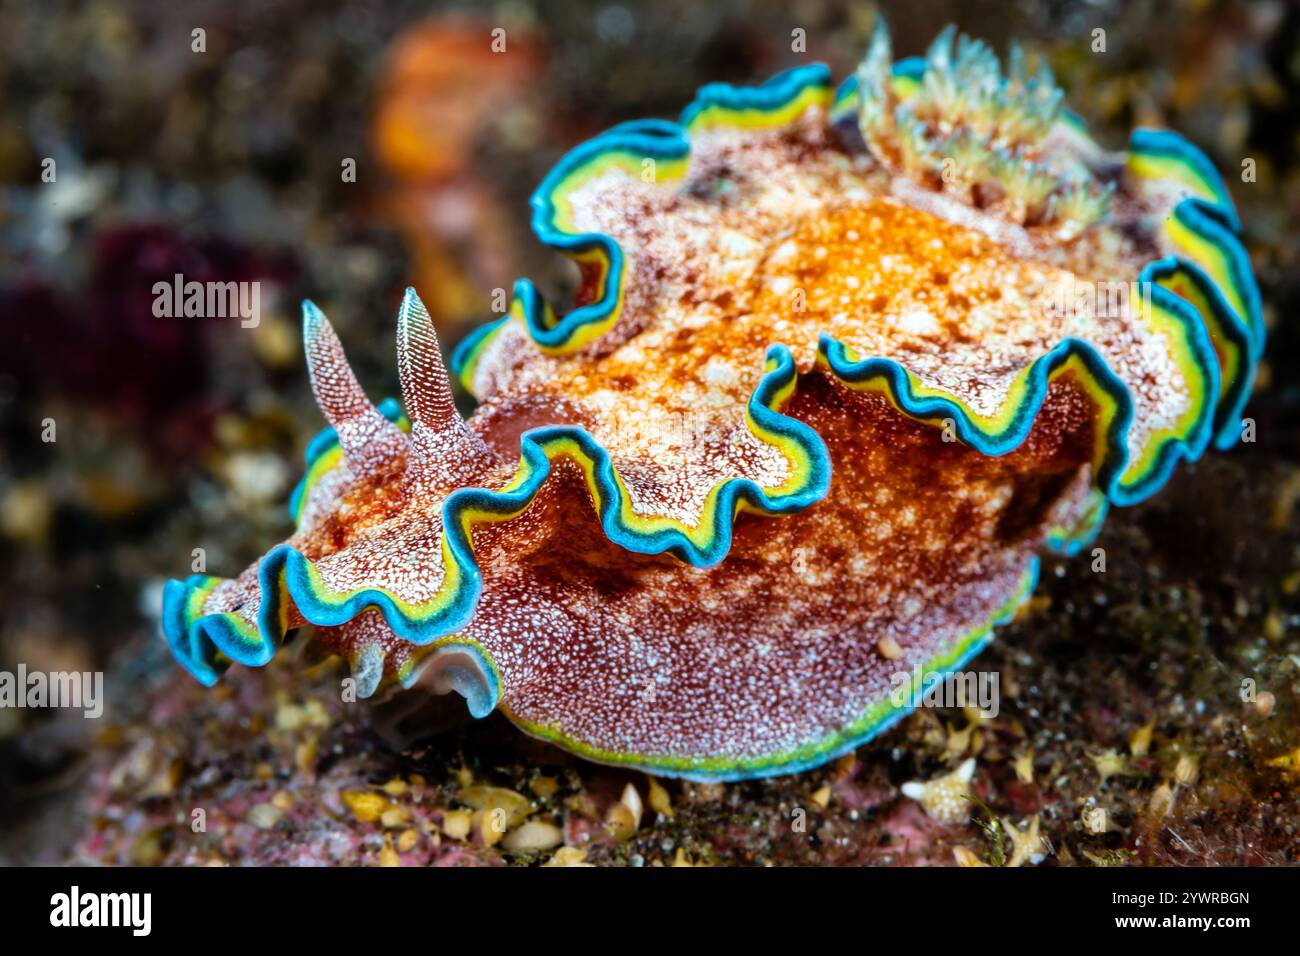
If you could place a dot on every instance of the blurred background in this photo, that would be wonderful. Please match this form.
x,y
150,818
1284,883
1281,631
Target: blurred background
x,y
227,164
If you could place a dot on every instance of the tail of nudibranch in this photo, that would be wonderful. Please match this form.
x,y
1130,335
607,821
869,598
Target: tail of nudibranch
x,y
844,360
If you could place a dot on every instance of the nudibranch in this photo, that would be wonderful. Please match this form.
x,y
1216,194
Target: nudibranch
x,y
841,363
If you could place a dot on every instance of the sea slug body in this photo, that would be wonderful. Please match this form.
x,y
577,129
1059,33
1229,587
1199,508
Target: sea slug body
x,y
842,362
